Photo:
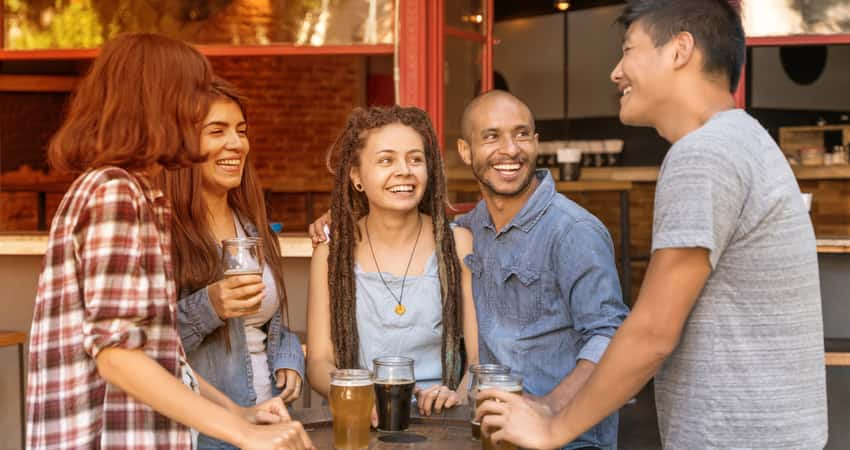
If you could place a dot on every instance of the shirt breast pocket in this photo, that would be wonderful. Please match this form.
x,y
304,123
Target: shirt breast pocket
x,y
524,287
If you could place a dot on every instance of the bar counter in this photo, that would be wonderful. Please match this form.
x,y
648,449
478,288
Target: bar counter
x,y
293,245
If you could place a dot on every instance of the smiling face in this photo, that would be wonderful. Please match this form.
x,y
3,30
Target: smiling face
x,y
643,76
224,139
393,170
501,145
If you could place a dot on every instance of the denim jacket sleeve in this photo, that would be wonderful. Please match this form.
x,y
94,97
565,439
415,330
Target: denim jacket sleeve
x,y
196,318
289,354
587,276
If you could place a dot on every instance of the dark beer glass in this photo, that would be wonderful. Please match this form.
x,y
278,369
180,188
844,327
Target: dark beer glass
x,y
508,383
475,372
394,382
351,400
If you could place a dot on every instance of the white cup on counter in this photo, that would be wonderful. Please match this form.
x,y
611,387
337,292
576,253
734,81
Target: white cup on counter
x,y
807,200
569,164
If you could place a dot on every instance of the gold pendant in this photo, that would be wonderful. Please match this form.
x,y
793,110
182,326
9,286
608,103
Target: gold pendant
x,y
400,309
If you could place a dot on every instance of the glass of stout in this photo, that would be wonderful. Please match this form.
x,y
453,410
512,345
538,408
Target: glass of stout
x,y
475,372
242,256
394,382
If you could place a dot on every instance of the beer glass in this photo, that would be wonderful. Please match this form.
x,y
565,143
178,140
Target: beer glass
x,y
509,383
351,400
475,372
394,381
242,256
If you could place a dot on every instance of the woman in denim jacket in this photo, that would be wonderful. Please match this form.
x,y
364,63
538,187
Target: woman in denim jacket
x,y
233,328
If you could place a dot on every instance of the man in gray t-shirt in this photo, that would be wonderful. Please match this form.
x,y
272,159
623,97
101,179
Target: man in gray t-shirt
x,y
749,367
728,318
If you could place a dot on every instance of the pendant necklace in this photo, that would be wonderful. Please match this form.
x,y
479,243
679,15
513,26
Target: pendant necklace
x,y
399,309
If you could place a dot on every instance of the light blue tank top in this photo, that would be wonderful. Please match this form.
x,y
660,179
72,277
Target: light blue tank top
x,y
416,334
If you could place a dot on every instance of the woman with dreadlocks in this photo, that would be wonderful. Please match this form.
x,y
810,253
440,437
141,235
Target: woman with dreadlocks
x,y
390,280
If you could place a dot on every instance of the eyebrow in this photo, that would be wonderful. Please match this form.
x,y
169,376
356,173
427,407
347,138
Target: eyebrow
x,y
389,150
223,123
514,128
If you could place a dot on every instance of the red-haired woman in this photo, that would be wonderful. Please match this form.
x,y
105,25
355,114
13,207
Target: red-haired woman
x,y
233,328
107,369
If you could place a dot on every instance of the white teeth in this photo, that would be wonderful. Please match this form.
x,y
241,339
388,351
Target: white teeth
x,y
402,188
627,91
229,162
507,166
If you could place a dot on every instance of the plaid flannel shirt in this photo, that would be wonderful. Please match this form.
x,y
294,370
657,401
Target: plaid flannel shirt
x,y
107,282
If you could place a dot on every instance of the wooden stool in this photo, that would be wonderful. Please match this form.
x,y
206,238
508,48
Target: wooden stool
x,y
8,338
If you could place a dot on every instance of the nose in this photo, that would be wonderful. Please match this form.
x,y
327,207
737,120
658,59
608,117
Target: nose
x,y
234,141
617,73
403,167
511,148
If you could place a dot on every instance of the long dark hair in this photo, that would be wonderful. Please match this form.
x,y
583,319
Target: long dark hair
x,y
348,205
197,257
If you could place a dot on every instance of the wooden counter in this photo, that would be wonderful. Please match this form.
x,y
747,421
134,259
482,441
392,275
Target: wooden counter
x,y
293,245
834,245
649,174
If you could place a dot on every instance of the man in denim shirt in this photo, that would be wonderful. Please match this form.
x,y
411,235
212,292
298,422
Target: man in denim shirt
x,y
547,295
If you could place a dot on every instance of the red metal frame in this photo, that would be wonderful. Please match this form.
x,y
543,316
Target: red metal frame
x,y
436,60
213,50
487,63
465,34
803,39
412,58
770,41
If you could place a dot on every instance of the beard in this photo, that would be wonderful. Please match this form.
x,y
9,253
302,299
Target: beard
x,y
479,169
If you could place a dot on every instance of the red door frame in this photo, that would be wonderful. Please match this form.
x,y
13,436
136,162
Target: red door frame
x,y
770,41
421,53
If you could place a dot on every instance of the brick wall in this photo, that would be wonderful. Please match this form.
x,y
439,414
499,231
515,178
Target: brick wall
x,y
296,106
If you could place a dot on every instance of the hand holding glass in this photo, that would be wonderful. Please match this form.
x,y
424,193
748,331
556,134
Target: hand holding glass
x,y
476,371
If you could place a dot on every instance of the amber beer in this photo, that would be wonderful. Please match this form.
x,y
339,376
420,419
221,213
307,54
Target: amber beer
x,y
351,399
475,372
238,272
508,383
394,382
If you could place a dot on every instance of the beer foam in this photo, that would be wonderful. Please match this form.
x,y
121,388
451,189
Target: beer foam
x,y
351,383
500,386
230,273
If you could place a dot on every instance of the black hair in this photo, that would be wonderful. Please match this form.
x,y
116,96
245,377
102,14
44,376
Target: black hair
x,y
715,25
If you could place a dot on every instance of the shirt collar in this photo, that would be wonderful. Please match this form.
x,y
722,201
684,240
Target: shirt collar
x,y
530,213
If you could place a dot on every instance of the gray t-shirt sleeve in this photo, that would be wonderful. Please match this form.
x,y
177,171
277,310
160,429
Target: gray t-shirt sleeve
x,y
698,199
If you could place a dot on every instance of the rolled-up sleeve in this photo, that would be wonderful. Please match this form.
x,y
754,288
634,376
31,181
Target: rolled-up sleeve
x,y
290,355
120,301
587,277
196,318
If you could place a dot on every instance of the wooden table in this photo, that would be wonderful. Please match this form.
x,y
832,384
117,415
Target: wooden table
x,y
448,431
622,187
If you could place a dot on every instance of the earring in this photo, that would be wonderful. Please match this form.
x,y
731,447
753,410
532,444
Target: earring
x,y
358,186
